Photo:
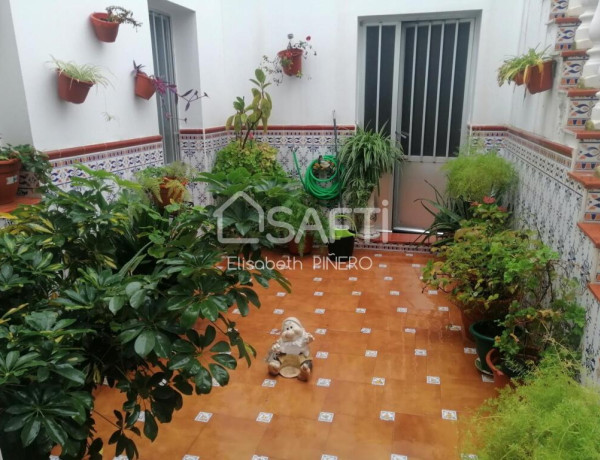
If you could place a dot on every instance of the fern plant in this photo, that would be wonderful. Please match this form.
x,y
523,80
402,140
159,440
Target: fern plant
x,y
85,72
364,158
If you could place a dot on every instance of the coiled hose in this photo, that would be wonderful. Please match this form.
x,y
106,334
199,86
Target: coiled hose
x,y
317,187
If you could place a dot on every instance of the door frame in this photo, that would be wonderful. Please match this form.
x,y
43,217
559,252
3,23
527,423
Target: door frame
x,y
388,193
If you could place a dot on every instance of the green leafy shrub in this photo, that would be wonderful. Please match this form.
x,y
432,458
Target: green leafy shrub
x,y
32,160
550,417
475,174
487,267
255,157
92,289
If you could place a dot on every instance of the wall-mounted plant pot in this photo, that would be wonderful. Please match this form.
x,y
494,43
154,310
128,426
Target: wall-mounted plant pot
x,y
519,78
294,56
9,180
72,90
540,80
294,248
105,31
144,86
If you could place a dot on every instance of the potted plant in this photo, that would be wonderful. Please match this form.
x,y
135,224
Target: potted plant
x,y
486,267
97,290
551,415
22,164
530,68
289,60
364,158
146,85
341,246
75,81
106,25
166,184
540,76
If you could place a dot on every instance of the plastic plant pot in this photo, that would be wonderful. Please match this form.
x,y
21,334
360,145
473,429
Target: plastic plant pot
x,y
484,333
540,80
293,55
144,86
72,90
105,31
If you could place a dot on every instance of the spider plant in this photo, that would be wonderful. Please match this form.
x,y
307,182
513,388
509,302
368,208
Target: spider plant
x,y
512,66
364,158
87,72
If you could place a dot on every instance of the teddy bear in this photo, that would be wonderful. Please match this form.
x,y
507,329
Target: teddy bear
x,y
290,356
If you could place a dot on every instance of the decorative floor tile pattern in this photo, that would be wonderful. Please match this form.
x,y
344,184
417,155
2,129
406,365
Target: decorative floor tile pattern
x,y
399,419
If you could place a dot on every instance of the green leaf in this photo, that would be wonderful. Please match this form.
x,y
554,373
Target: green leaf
x,y
163,345
69,372
30,431
221,347
209,336
226,360
179,361
219,373
190,315
138,299
54,431
145,343
150,426
132,288
116,303
203,381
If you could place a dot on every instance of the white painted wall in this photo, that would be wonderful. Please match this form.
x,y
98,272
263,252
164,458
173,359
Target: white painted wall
x,y
234,35
538,113
61,28
14,120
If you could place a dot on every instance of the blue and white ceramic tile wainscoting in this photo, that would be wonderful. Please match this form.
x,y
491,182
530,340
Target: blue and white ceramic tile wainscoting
x,y
550,202
199,147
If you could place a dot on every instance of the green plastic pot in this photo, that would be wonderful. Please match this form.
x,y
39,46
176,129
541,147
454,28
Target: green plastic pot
x,y
484,333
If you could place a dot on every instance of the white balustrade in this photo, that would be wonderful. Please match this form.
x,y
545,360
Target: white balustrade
x,y
590,76
575,9
582,35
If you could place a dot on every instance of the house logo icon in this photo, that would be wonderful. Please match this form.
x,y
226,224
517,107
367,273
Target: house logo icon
x,y
233,207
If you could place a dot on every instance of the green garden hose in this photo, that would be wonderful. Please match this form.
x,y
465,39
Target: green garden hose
x,y
323,189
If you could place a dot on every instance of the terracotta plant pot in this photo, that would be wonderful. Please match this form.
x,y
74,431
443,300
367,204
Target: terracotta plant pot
x,y
485,333
500,378
72,90
308,246
540,80
9,180
295,56
105,31
167,195
144,86
519,78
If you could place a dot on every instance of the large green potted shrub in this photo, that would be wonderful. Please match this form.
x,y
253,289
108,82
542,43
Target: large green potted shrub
x,y
364,158
550,416
17,160
94,290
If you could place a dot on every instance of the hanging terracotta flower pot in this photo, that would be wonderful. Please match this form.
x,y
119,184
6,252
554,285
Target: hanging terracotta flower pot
x,y
72,90
519,78
144,86
540,77
9,180
105,31
291,61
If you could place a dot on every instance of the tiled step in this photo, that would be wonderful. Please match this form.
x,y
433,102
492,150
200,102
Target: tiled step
x,y
591,197
565,34
592,231
571,67
559,9
581,103
589,180
587,150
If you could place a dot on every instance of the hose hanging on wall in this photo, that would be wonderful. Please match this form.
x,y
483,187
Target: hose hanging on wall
x,y
322,178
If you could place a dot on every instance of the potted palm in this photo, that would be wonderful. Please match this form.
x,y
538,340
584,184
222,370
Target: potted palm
x,y
106,25
364,158
75,81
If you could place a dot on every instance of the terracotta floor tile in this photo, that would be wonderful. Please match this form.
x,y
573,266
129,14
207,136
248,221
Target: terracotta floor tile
x,y
348,367
341,342
454,394
412,397
359,438
424,437
227,438
391,341
293,398
346,321
353,399
294,438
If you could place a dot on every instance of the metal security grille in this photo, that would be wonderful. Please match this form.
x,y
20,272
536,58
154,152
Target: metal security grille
x,y
162,52
434,71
